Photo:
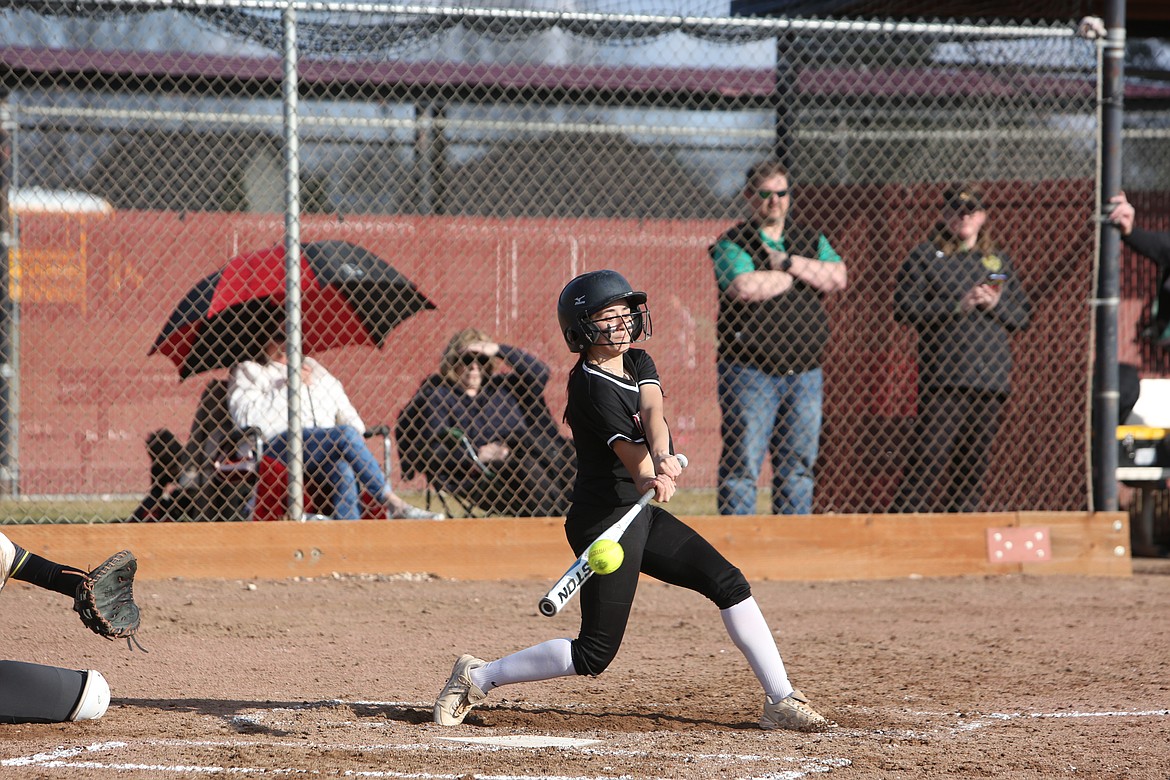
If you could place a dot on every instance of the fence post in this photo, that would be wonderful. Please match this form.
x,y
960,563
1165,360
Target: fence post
x,y
1105,378
785,95
292,265
9,314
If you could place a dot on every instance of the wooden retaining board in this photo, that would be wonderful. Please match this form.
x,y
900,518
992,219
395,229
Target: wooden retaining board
x,y
811,547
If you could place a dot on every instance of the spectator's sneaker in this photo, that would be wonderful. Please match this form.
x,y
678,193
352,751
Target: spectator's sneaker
x,y
409,512
459,695
793,712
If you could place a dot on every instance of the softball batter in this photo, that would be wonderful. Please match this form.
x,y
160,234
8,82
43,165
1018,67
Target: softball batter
x,y
615,409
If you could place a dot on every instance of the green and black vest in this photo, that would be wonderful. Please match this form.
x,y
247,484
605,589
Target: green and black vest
x,y
785,334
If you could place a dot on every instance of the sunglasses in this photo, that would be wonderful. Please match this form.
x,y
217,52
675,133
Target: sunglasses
x,y
467,358
765,194
963,207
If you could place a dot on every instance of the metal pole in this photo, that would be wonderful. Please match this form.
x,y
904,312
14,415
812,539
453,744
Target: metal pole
x,y
9,312
784,94
1105,380
424,129
292,254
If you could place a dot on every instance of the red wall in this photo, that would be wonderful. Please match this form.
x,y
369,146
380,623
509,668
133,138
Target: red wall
x,y
90,393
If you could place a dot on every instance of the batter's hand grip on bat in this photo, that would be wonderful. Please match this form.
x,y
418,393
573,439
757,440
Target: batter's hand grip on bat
x,y
572,580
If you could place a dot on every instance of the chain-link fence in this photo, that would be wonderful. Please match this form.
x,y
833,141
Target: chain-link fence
x,y
479,159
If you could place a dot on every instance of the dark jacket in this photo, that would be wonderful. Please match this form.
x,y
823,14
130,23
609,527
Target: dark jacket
x,y
1155,324
957,350
509,408
783,334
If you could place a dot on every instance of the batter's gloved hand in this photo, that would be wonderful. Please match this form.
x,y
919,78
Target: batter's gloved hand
x,y
105,599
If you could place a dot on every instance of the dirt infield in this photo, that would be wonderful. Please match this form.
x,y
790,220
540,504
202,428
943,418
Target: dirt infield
x,y
1013,676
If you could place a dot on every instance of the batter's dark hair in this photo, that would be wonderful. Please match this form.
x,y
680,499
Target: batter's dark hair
x,y
572,373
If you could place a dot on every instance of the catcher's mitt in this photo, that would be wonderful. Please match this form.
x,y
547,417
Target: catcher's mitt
x,y
105,599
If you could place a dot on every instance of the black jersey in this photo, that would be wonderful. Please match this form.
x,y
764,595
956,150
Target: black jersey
x,y
603,408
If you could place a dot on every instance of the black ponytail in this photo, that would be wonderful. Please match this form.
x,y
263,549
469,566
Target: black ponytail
x,y
572,373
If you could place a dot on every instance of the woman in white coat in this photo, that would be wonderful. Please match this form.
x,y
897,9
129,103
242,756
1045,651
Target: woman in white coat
x,y
334,450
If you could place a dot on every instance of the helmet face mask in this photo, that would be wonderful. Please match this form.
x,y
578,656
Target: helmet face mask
x,y
592,292
638,325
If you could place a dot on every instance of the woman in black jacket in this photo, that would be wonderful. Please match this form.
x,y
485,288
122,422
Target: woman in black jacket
x,y
960,294
481,430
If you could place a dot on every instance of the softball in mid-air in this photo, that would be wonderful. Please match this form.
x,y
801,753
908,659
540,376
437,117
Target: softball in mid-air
x,y
605,556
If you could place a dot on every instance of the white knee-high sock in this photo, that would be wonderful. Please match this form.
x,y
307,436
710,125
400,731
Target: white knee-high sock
x,y
747,628
545,661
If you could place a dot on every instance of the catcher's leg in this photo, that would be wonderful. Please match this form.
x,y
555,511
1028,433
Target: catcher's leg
x,y
32,693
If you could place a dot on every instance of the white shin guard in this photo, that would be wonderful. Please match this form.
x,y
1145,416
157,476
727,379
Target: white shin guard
x,y
94,699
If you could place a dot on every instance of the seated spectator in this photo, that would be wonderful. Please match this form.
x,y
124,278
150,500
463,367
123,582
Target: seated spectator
x,y
186,482
485,435
167,460
335,454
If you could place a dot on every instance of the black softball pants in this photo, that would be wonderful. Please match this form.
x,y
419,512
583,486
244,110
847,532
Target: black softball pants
x,y
658,544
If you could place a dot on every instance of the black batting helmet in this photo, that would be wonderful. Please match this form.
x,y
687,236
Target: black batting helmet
x,y
588,294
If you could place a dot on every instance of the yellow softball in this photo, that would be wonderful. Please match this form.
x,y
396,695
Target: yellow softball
x,y
605,556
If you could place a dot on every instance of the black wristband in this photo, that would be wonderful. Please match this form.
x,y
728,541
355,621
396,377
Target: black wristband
x,y
786,263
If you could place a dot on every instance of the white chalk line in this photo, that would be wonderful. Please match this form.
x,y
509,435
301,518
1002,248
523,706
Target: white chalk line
x,y
991,718
810,767
71,757
1116,714
40,758
970,721
1002,716
525,741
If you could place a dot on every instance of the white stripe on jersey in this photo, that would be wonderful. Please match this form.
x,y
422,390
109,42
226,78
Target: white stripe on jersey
x,y
617,380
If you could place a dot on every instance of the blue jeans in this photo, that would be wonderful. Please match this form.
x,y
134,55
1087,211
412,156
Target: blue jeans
x,y
339,458
778,414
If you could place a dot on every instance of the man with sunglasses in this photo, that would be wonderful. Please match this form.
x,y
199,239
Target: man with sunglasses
x,y
772,331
